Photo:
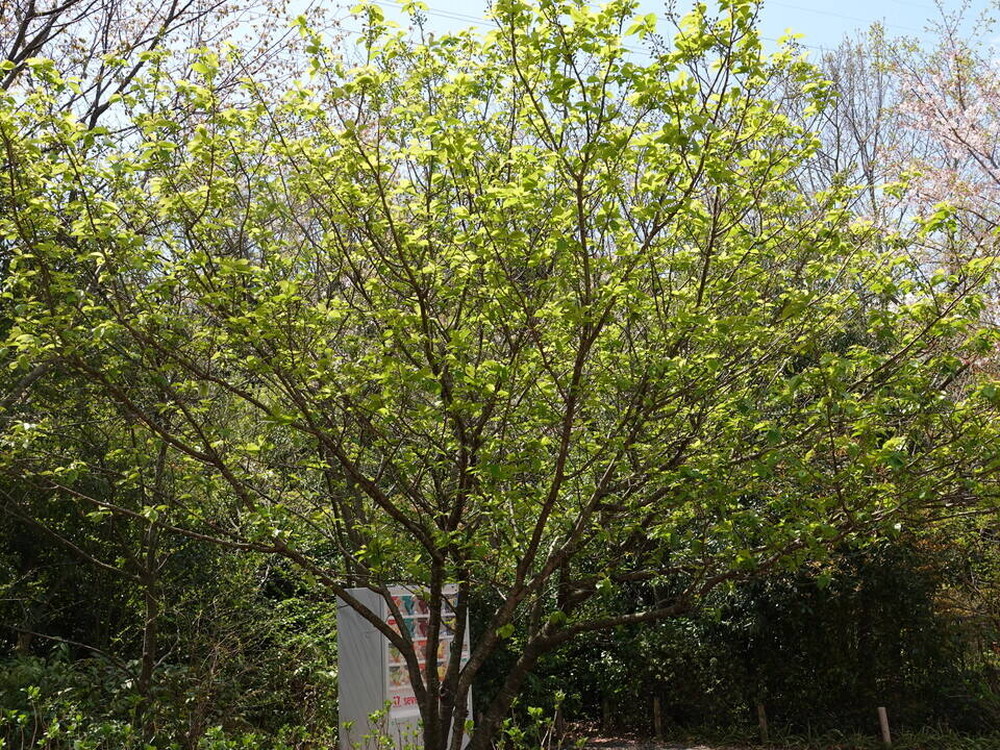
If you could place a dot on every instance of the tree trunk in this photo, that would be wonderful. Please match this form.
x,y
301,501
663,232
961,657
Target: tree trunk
x,y
149,580
494,714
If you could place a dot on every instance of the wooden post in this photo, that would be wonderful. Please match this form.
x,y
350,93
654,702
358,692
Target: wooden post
x,y
762,723
606,714
883,722
657,718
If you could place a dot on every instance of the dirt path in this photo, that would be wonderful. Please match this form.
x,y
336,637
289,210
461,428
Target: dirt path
x,y
619,744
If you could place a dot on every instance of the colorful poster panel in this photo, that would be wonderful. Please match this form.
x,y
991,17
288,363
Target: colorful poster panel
x,y
415,614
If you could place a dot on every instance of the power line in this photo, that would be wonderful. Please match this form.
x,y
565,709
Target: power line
x,y
448,14
839,15
483,22
476,21
909,5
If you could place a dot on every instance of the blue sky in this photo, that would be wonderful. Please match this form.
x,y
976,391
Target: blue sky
x,y
823,22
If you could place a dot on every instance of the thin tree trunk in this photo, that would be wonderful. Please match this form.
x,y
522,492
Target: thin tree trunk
x,y
494,714
150,639
150,582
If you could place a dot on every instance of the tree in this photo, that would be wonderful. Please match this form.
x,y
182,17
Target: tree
x,y
513,312
861,133
104,44
101,39
101,46
949,97
168,637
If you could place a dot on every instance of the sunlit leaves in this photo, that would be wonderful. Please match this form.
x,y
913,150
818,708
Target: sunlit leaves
x,y
485,309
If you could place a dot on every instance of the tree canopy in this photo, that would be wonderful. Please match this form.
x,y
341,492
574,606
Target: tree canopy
x,y
523,312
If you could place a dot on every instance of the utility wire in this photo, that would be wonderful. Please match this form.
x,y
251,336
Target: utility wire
x,y
489,23
839,15
486,22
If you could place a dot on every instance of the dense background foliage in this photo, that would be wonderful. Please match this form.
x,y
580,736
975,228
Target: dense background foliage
x,y
895,624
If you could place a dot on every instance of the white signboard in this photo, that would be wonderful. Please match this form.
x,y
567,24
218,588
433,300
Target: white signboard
x,y
373,672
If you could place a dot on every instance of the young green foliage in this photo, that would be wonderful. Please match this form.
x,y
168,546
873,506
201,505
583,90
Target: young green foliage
x,y
518,312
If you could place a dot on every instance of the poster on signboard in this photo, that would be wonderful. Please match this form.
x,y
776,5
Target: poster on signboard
x,y
415,617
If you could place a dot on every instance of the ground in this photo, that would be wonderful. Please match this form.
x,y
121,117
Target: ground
x,y
617,743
